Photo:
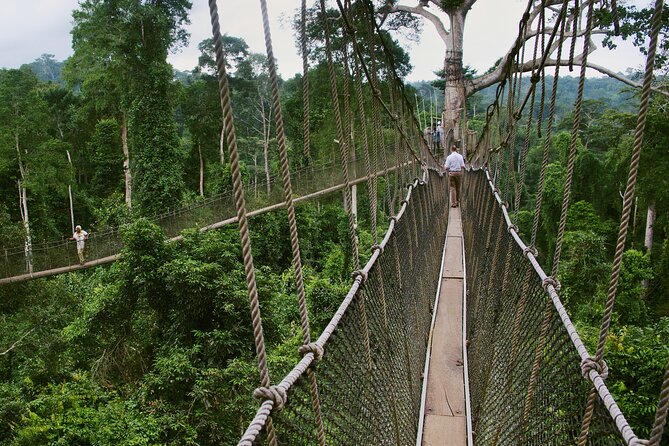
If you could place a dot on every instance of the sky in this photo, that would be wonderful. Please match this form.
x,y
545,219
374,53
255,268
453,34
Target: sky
x,y
30,28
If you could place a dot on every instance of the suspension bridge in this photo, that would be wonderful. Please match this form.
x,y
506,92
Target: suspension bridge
x,y
452,333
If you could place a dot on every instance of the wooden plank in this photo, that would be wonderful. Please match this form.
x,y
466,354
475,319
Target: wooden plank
x,y
445,413
445,385
454,223
444,431
453,260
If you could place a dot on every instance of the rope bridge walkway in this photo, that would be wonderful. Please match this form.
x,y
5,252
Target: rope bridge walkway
x,y
524,367
58,257
490,321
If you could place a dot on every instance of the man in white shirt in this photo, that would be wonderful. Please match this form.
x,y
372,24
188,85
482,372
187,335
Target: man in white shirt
x,y
80,236
455,164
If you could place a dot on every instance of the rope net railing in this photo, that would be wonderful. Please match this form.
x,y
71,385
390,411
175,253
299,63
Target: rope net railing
x,y
370,393
103,245
524,363
533,380
359,382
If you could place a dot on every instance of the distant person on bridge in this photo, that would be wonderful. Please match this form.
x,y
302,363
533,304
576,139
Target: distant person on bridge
x,y
80,236
455,164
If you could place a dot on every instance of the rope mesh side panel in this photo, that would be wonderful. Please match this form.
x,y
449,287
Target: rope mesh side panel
x,y
377,405
560,392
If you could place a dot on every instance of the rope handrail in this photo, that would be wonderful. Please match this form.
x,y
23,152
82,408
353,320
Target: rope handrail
x,y
614,410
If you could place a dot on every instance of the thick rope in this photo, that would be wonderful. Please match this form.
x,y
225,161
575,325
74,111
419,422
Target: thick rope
x,y
343,147
571,162
292,223
549,132
305,83
627,205
661,413
572,47
240,205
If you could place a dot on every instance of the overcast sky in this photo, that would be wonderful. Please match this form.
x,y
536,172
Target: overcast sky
x,y
30,28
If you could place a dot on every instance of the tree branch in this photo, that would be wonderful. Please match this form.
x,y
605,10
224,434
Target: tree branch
x,y
419,10
474,85
15,344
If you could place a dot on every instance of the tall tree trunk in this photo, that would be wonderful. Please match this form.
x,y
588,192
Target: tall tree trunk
x,y
650,224
222,146
648,239
199,152
28,246
454,89
23,207
266,119
69,191
126,161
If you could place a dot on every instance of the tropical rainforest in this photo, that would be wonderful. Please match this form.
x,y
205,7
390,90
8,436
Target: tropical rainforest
x,y
157,348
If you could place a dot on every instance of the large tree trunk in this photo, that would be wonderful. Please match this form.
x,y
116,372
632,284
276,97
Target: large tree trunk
x,y
650,223
454,90
126,161
648,239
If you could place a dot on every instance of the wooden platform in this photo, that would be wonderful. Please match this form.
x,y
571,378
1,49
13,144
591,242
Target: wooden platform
x,y
445,422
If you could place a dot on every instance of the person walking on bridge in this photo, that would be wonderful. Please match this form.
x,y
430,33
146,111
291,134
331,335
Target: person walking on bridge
x,y
455,164
80,236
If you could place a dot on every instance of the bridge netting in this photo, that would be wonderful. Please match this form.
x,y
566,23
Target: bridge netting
x,y
215,211
532,380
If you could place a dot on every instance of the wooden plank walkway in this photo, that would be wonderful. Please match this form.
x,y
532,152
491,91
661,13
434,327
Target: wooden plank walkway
x,y
445,422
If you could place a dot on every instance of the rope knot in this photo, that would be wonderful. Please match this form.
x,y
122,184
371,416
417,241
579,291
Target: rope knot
x,y
589,364
517,115
550,281
314,348
403,202
274,393
512,227
393,219
377,247
362,273
530,249
536,78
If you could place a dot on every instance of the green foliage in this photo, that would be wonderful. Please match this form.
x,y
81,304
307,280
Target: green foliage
x,y
636,357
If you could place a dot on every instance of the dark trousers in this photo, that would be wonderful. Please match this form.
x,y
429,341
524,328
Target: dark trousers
x,y
454,180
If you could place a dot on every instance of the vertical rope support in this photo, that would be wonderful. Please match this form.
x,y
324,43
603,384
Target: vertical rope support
x,y
305,83
661,413
549,133
240,205
627,207
542,103
572,147
292,223
343,147
572,47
